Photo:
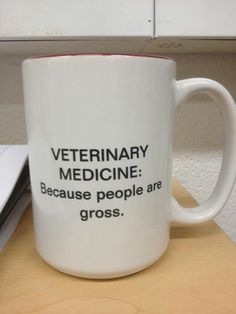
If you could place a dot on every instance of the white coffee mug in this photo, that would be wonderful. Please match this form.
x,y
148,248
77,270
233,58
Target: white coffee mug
x,y
100,152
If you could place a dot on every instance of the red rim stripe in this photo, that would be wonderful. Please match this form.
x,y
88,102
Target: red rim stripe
x,y
101,54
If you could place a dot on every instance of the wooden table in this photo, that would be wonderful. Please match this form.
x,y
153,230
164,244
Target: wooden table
x,y
197,274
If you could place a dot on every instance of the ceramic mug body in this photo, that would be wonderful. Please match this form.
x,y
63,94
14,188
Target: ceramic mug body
x,y
99,134
100,152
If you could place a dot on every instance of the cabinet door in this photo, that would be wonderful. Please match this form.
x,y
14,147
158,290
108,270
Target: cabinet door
x,y
48,19
195,18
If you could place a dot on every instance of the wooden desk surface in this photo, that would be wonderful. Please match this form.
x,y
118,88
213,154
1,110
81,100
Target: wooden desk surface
x,y
197,274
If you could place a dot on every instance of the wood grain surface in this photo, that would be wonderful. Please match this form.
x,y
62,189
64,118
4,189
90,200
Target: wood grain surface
x,y
197,274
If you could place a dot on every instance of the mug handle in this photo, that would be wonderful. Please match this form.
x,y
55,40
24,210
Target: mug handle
x,y
212,206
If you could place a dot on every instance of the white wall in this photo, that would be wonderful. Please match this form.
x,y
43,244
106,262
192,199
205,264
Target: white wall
x,y
198,136
12,124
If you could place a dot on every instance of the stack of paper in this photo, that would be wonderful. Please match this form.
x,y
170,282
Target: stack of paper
x,y
14,188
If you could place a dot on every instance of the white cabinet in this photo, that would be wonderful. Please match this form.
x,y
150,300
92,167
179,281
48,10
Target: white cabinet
x,y
48,19
128,26
195,18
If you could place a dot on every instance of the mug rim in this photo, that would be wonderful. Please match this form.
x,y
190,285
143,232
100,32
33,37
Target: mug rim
x,y
100,54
